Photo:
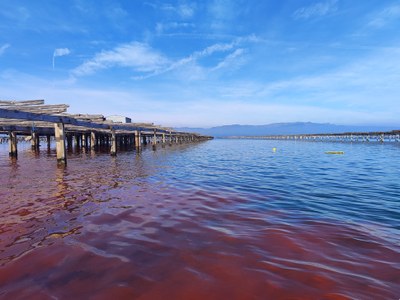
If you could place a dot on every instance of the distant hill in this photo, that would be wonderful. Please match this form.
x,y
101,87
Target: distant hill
x,y
283,128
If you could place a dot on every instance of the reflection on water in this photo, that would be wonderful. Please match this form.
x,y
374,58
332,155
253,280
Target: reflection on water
x,y
217,220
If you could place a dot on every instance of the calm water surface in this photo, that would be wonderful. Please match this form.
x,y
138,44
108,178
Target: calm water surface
x,y
225,219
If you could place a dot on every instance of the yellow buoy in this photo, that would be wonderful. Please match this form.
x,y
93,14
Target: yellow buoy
x,y
334,152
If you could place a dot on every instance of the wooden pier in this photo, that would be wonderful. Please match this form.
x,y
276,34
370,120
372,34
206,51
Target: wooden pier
x,y
381,137
35,121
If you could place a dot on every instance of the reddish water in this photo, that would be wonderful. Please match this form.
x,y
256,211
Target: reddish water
x,y
107,228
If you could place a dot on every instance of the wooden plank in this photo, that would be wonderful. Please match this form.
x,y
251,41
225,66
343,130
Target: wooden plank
x,y
20,115
24,102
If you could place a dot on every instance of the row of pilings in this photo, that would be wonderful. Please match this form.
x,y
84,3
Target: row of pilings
x,y
393,136
112,140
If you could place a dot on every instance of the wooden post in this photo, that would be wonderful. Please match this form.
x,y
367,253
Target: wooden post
x,y
154,137
113,150
48,141
34,140
83,140
68,138
154,142
60,143
92,139
138,142
12,142
163,140
77,140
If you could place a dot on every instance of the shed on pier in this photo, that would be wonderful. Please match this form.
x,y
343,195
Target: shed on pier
x,y
119,119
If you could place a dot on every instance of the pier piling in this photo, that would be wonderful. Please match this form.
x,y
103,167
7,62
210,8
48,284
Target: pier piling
x,y
59,132
12,141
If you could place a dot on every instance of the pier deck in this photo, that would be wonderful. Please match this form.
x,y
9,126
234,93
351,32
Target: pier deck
x,y
33,120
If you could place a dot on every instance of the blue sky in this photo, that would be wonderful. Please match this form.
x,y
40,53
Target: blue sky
x,y
207,63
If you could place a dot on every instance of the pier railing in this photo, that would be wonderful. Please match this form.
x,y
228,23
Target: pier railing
x,y
35,120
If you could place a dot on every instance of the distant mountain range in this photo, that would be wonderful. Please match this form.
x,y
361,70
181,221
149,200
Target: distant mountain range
x,y
283,128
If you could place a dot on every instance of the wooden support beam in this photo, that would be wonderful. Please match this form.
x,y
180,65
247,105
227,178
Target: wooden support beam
x,y
163,140
48,141
83,140
60,143
154,137
92,139
154,141
113,150
138,142
77,140
12,142
69,140
35,143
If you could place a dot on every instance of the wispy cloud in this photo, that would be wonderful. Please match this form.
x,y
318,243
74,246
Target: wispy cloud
x,y
192,59
163,27
138,56
148,62
233,59
385,16
318,9
184,10
222,13
16,13
60,52
4,48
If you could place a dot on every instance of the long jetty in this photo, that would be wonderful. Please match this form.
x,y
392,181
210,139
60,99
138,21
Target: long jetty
x,y
34,120
389,136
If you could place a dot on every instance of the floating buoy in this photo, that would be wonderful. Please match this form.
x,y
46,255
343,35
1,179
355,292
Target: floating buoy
x,y
273,149
334,152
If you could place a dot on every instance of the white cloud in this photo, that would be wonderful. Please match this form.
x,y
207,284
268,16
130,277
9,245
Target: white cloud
x,y
186,10
60,52
191,60
385,16
4,48
318,9
138,56
148,62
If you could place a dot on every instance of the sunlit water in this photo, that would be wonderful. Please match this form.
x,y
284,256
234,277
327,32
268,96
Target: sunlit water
x,y
224,219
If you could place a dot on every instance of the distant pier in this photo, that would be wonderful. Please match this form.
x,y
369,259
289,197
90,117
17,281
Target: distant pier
x,y
352,137
34,121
